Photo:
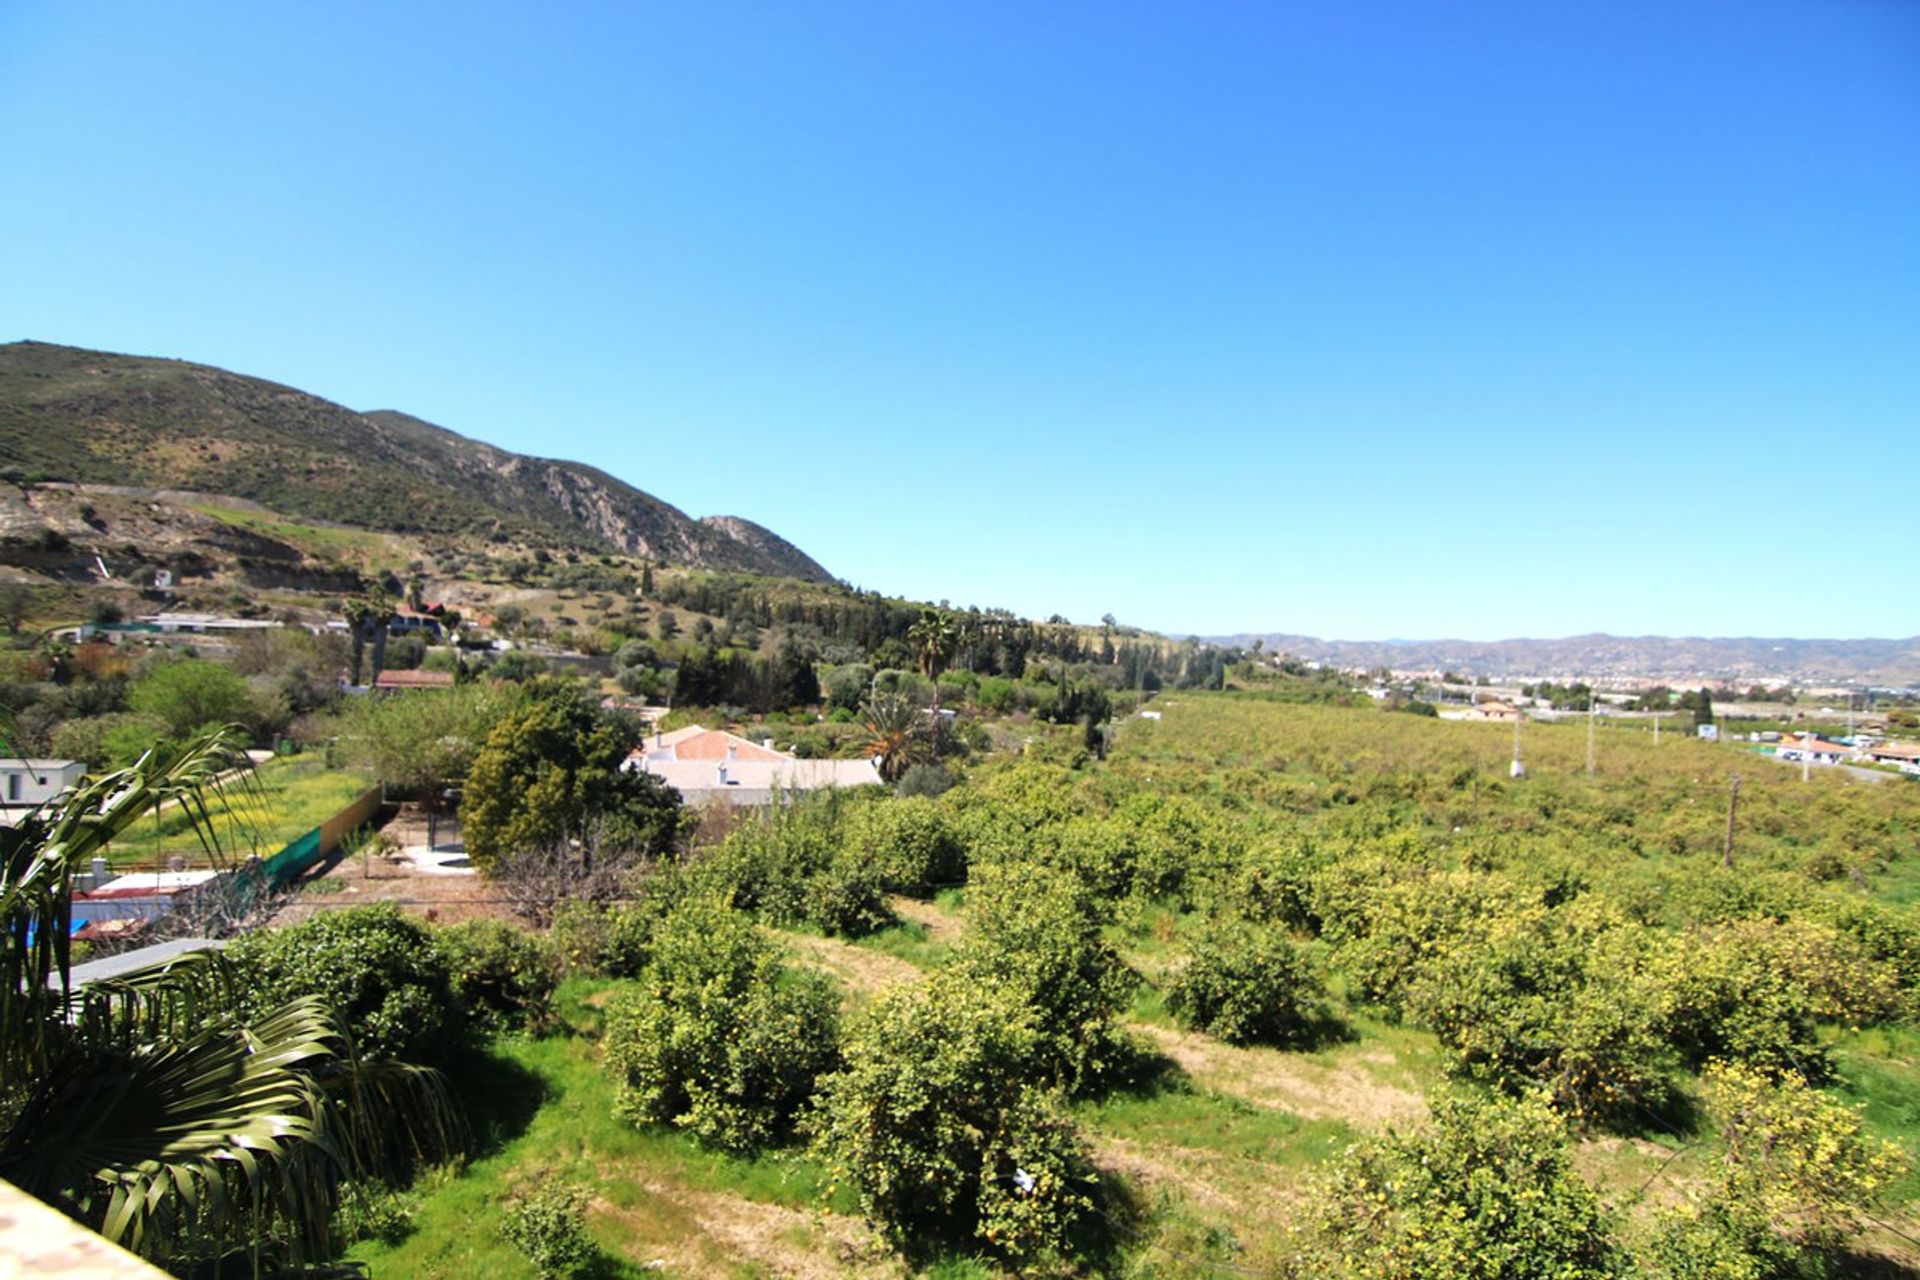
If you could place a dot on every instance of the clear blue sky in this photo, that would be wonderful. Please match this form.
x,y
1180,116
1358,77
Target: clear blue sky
x,y
1352,318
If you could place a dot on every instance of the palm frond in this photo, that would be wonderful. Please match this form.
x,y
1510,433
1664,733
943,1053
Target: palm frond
x,y
184,1140
38,859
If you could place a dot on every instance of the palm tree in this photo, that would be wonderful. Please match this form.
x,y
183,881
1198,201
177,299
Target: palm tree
x,y
894,723
367,620
147,1107
932,639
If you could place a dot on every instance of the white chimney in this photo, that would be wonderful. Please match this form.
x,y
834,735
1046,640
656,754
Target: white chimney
x,y
730,750
767,743
721,773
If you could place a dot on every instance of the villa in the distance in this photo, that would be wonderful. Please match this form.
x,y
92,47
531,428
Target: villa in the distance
x,y
711,764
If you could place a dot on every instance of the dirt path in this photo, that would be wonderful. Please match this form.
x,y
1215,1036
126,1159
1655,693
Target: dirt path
x,y
941,924
760,1239
1291,1082
861,971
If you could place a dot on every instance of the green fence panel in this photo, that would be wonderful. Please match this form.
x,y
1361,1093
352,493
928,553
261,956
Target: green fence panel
x,y
295,858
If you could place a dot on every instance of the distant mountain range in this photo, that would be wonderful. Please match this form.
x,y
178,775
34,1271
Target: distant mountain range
x,y
1670,658
91,417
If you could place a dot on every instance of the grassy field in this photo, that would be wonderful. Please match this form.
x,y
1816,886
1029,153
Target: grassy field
x,y
283,799
326,542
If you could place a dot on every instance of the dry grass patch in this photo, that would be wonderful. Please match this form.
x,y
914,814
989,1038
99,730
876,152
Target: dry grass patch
x,y
861,972
1348,1088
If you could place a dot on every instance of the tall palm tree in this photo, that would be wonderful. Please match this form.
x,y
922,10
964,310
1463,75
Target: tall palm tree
x,y
367,621
147,1107
932,639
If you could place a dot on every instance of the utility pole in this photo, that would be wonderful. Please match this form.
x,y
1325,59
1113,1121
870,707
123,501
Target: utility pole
x,y
1519,770
1806,755
1593,710
1656,728
1733,799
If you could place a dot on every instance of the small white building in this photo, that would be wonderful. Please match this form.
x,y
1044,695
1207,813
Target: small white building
x,y
27,784
136,896
1808,747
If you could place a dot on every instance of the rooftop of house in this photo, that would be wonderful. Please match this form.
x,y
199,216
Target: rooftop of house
x,y
147,884
758,780
695,742
697,761
36,763
414,680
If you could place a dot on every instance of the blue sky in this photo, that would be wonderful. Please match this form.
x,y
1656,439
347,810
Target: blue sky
x,y
1357,318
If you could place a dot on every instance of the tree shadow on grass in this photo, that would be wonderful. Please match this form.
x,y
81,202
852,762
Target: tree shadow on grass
x,y
498,1096
1674,1115
1870,1266
1140,1072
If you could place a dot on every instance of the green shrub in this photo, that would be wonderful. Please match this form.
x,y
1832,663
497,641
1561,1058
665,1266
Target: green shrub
x,y
1797,1173
1247,984
1553,999
717,1036
578,937
924,780
935,1123
367,1210
846,900
908,843
378,969
1724,992
503,976
550,1228
1036,934
1487,1193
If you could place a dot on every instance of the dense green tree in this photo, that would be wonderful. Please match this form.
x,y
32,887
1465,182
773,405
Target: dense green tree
x,y
1037,933
717,1036
1486,1193
550,772
421,741
937,1124
368,617
190,694
377,969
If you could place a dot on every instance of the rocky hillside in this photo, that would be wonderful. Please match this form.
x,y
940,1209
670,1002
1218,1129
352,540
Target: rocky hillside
x,y
89,417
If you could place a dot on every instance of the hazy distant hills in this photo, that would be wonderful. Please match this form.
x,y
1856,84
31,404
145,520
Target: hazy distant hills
x,y
1673,658
95,418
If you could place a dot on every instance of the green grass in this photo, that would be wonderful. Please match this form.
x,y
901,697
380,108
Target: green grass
x,y
323,541
1879,1069
907,941
285,799
1203,1120
542,1110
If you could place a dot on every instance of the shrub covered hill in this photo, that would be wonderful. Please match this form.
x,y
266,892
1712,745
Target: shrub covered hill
x,y
91,417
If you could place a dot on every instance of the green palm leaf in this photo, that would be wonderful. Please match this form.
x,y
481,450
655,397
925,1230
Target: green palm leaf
x,y
176,1139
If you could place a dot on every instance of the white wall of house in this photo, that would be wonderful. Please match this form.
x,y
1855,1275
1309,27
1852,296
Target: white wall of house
x,y
26,783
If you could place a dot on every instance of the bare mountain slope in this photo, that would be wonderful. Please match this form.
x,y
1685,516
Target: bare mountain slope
x,y
98,418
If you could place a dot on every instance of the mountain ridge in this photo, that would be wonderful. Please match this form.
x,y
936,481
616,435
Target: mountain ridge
x,y
83,416
1891,661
